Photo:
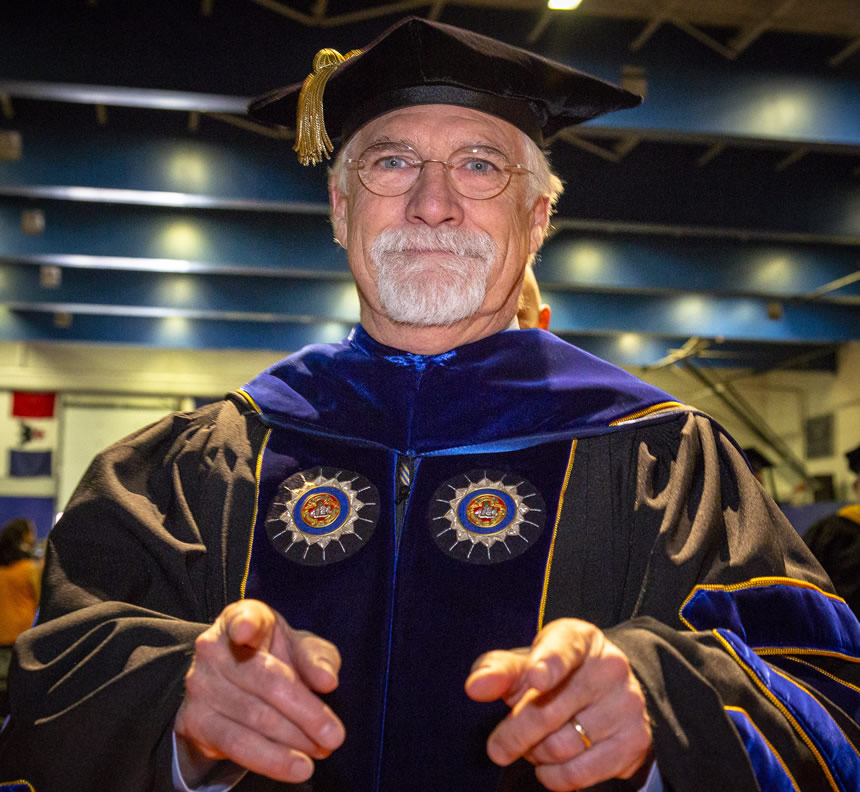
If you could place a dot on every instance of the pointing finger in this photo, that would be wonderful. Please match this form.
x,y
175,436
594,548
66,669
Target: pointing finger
x,y
558,650
497,675
249,623
317,660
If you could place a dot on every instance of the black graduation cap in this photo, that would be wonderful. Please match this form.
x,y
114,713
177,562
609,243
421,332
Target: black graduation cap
x,y
757,460
853,458
418,61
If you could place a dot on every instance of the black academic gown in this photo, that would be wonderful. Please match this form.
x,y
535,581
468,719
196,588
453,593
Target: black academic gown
x,y
835,542
338,487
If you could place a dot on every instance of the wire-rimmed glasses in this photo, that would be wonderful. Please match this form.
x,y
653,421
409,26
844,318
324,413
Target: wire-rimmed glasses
x,y
391,169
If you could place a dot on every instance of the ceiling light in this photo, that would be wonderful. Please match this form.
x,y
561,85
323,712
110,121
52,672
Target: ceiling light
x,y
563,5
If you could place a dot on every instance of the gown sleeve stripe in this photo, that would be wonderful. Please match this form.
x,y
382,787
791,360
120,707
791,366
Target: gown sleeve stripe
x,y
821,623
855,688
564,485
770,770
811,693
839,691
805,714
16,786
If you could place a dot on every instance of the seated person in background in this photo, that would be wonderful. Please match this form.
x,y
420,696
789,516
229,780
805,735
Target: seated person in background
x,y
20,576
835,541
443,554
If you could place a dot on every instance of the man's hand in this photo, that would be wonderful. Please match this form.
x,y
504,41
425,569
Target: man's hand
x,y
571,673
251,696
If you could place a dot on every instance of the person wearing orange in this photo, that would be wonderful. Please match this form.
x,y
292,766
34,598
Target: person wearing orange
x,y
20,577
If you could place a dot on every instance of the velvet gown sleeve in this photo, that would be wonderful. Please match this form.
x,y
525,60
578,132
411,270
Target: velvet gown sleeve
x,y
97,682
748,660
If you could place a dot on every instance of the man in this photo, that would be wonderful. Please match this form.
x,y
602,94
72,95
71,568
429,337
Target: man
x,y
439,555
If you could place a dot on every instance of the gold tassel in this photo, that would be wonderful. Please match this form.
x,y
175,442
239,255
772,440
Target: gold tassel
x,y
312,140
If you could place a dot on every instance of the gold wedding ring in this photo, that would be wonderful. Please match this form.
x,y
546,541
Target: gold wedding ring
x,y
583,734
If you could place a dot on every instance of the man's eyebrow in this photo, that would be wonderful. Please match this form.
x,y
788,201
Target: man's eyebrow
x,y
392,140
483,145
398,141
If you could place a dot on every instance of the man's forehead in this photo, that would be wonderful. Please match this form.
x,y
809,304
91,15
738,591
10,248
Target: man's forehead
x,y
443,123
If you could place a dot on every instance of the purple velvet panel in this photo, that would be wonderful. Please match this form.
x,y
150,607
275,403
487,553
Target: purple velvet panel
x,y
817,621
408,619
769,772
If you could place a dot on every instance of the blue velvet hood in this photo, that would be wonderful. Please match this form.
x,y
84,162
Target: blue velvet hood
x,y
513,385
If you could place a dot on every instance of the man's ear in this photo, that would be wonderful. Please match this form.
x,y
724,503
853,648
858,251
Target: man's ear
x,y
338,212
544,315
540,223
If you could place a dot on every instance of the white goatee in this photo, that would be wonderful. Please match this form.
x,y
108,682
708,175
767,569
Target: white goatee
x,y
432,276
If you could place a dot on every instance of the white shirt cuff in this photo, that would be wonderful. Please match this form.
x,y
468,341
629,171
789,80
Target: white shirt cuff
x,y
654,783
221,778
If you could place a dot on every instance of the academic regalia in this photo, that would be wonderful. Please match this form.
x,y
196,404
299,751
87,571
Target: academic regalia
x,y
337,488
835,541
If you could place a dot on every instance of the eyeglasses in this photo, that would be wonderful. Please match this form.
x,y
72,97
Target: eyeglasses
x,y
391,169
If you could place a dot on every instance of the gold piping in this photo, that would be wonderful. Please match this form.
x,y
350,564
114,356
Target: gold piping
x,y
788,651
257,474
782,708
554,534
647,411
767,743
247,397
822,671
814,697
257,470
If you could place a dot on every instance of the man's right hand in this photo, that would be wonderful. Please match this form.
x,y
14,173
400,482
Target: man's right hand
x,y
250,696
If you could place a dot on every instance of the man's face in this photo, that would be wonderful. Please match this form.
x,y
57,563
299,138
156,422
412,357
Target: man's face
x,y
432,257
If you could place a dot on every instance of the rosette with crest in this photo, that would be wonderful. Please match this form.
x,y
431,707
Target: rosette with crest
x,y
486,516
322,515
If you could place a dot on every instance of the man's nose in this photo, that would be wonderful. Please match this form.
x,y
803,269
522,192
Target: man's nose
x,y
433,199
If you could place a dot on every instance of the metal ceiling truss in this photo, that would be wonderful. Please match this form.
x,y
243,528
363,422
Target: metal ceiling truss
x,y
671,12
732,224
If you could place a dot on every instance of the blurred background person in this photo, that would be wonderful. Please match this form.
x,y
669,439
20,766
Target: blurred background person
x,y
20,579
835,541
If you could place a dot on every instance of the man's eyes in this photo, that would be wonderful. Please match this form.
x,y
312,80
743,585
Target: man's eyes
x,y
477,166
392,162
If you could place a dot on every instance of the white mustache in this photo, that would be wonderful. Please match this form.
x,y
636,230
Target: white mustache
x,y
456,241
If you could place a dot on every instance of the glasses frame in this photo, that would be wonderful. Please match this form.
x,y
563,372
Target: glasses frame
x,y
356,164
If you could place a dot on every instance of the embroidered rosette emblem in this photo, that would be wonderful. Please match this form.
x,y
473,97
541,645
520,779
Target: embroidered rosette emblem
x,y
485,517
323,515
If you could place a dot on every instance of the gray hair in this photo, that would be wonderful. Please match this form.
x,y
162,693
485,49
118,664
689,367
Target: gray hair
x,y
541,181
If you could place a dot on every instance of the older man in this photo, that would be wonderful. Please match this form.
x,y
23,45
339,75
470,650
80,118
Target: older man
x,y
295,585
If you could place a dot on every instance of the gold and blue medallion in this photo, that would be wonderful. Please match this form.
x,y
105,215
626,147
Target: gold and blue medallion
x,y
322,515
485,516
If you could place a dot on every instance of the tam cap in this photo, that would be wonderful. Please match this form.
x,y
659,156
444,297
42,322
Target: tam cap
x,y
853,458
757,460
420,62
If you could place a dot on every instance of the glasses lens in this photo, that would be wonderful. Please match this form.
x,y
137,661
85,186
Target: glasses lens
x,y
479,171
388,168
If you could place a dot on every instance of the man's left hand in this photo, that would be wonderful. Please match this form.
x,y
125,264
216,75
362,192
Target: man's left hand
x,y
571,674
